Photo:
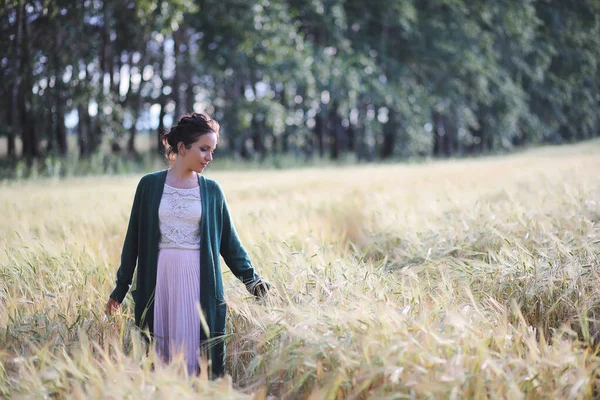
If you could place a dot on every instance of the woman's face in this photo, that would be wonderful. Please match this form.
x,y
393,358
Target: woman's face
x,y
200,154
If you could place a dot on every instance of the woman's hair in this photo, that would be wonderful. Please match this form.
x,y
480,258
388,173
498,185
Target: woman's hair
x,y
187,130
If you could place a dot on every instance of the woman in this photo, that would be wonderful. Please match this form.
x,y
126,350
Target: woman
x,y
179,225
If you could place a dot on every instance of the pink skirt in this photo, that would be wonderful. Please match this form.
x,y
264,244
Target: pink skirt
x,y
176,306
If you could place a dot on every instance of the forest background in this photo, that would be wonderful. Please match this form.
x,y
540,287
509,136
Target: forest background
x,y
88,86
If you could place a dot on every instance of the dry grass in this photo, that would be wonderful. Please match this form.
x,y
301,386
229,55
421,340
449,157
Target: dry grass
x,y
456,279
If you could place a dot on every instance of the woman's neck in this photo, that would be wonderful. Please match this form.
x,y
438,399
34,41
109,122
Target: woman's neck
x,y
182,177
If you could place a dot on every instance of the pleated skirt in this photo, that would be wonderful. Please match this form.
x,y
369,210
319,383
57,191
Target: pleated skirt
x,y
176,306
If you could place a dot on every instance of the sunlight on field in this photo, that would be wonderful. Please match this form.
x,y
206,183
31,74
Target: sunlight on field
x,y
455,279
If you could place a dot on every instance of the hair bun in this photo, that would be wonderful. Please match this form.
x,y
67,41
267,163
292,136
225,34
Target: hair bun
x,y
171,136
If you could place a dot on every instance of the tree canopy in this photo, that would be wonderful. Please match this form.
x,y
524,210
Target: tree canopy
x,y
318,78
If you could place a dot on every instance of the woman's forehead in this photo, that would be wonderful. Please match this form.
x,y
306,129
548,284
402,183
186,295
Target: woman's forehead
x,y
208,139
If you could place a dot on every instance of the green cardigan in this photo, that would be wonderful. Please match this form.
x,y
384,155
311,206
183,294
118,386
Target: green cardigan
x,y
217,236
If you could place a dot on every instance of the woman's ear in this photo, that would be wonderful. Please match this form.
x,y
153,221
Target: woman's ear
x,y
180,147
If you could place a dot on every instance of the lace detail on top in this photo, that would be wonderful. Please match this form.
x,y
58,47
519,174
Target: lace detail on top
x,y
179,217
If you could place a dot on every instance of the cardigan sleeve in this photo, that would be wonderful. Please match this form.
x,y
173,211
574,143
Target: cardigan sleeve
x,y
129,253
233,251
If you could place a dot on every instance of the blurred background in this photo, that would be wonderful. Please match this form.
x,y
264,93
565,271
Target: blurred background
x,y
88,86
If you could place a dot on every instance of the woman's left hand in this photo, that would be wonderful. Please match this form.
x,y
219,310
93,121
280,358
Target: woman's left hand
x,y
261,289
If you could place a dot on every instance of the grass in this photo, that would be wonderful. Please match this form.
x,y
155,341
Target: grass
x,y
454,279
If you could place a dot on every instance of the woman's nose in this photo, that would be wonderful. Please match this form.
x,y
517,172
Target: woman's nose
x,y
209,156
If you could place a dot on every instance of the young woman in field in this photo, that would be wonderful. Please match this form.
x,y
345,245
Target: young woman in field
x,y
179,225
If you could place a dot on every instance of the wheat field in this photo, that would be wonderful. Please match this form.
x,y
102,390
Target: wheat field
x,y
455,279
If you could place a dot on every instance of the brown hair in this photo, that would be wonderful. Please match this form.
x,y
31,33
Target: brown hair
x,y
187,130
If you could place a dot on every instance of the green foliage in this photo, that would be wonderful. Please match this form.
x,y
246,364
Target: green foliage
x,y
401,78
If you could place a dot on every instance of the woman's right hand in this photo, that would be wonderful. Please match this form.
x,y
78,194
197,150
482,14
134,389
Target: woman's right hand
x,y
112,306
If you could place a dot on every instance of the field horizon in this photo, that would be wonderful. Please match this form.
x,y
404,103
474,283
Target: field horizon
x,y
459,278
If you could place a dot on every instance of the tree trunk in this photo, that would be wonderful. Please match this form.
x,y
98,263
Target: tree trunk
x,y
113,86
320,134
131,99
96,131
161,122
135,112
283,142
489,141
333,125
351,133
450,137
117,72
131,140
14,109
162,101
136,99
84,130
390,131
359,134
61,131
439,134
178,58
59,103
30,145
257,137
14,121
478,134
189,95
105,52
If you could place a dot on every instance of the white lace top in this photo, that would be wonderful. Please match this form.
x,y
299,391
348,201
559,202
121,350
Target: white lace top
x,y
179,217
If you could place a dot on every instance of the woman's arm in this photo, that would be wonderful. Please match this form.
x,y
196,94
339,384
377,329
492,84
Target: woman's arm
x,y
237,258
129,254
